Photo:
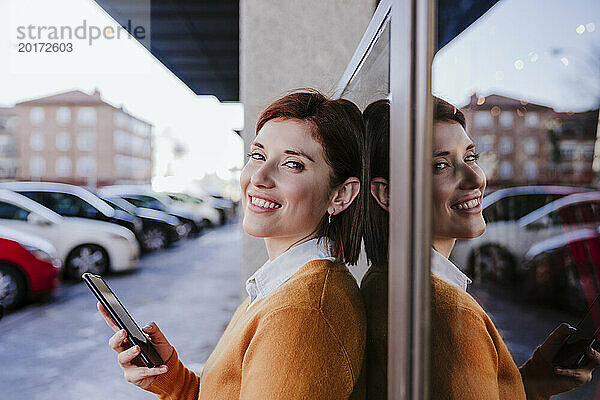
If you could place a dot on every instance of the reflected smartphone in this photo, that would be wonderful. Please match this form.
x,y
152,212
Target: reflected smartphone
x,y
148,354
572,352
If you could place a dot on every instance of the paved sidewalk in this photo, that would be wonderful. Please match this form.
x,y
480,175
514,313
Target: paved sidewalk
x,y
59,350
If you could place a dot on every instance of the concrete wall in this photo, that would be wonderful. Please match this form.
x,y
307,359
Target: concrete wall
x,y
286,45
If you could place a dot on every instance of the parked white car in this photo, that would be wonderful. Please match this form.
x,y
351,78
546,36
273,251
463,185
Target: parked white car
x,y
83,245
497,254
196,206
143,196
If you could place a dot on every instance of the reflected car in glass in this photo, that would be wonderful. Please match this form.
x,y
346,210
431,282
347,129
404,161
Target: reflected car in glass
x,y
29,267
561,270
514,222
83,245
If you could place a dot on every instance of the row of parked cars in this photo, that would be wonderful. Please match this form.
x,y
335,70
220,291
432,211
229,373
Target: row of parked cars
x,y
51,231
544,238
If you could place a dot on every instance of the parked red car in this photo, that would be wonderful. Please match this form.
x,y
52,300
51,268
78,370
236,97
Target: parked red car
x,y
25,271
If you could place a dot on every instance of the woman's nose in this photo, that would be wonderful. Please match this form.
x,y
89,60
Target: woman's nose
x,y
263,176
472,177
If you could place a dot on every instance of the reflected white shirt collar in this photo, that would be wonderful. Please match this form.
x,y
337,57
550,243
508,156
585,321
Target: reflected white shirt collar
x,y
447,271
275,272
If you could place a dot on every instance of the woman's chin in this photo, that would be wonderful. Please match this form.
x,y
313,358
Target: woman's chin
x,y
254,229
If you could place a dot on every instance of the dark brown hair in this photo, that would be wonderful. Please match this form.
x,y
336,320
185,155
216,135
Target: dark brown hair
x,y
377,165
446,112
338,126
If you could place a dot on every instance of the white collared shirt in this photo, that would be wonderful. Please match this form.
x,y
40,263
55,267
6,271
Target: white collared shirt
x,y
275,272
447,271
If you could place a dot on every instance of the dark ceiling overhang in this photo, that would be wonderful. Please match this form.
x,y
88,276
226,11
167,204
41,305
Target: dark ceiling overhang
x,y
454,16
197,40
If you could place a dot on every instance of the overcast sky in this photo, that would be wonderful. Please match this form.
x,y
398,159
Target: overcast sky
x,y
126,74
544,51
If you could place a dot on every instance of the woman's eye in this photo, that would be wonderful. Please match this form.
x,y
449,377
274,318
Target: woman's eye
x,y
472,157
440,166
255,156
294,165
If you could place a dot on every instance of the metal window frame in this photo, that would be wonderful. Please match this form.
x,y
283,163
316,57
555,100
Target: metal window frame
x,y
411,130
379,21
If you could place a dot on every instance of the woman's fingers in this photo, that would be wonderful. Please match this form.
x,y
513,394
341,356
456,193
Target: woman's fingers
x,y
136,374
107,317
593,357
126,356
116,341
159,341
579,376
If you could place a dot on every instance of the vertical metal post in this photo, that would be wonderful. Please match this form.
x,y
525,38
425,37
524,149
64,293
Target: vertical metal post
x,y
411,48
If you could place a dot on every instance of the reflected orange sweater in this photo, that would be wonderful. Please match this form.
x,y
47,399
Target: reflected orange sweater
x,y
304,341
469,358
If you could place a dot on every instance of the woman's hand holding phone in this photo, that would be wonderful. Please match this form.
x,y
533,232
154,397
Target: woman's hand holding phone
x,y
138,375
542,380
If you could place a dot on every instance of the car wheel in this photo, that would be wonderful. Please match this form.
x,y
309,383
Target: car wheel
x,y
12,286
492,264
86,258
154,238
188,229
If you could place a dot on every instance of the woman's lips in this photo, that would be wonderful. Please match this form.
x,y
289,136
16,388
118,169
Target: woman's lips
x,y
472,206
259,204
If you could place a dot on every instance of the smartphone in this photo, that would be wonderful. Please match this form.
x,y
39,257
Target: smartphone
x,y
148,354
571,354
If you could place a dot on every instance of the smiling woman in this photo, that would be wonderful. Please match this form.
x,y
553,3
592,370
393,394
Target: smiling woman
x,y
301,332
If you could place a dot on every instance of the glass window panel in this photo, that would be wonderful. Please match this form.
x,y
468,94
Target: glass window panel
x,y
530,97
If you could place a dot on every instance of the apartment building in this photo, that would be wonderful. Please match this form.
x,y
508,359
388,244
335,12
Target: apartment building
x,y
527,143
8,143
78,138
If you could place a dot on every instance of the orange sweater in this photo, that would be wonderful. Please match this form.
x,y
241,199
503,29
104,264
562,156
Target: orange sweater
x,y
469,358
304,341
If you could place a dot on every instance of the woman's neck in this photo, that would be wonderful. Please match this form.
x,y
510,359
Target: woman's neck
x,y
443,246
278,246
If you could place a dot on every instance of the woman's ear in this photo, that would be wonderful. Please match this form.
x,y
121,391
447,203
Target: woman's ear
x,y
344,195
381,193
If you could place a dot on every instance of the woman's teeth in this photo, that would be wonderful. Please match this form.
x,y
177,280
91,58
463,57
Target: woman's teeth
x,y
264,203
467,205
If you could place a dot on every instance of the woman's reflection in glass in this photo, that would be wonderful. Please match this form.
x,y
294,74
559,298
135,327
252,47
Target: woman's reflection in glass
x,y
469,359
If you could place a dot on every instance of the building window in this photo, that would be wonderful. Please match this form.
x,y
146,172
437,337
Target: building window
x,y
87,116
531,120
506,170
485,143
507,119
530,145
530,169
63,166
36,115
121,119
86,141
63,141
63,115
567,151
36,141
37,166
505,145
483,119
86,166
